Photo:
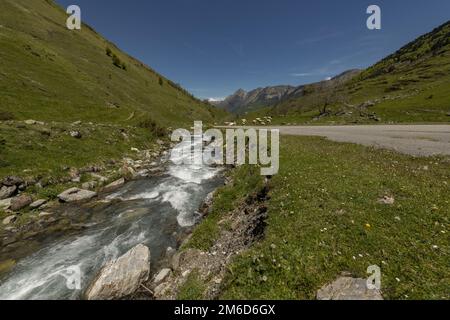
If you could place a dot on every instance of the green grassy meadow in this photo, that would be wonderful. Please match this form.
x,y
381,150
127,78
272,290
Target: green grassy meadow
x,y
325,219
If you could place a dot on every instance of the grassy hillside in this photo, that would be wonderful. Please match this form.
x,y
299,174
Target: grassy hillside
x,y
51,73
89,102
410,85
57,77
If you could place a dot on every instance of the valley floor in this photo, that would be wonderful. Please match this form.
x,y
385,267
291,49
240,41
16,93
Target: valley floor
x,y
333,208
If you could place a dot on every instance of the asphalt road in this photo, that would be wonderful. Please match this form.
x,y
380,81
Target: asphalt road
x,y
417,140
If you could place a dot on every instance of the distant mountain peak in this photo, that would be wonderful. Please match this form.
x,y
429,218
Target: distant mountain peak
x,y
242,101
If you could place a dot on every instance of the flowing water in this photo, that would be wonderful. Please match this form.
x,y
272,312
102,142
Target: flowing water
x,y
155,211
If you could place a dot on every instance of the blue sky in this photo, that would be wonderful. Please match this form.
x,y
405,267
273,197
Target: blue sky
x,y
212,47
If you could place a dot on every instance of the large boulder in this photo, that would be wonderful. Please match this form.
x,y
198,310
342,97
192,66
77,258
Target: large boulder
x,y
122,277
347,288
21,202
75,194
7,192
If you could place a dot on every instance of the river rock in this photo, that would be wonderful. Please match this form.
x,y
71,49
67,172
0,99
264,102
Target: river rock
x,y
5,204
9,220
99,177
75,194
115,184
44,214
207,203
12,181
162,276
127,172
89,185
161,290
170,252
121,277
38,203
21,202
7,192
347,288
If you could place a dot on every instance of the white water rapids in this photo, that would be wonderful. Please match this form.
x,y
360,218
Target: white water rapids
x,y
153,211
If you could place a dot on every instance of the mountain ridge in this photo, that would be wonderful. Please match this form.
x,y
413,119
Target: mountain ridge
x,y
242,101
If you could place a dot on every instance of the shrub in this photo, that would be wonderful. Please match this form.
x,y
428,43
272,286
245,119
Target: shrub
x,y
6,115
149,123
118,63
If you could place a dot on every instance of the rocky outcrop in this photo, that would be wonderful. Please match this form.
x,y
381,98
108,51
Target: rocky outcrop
x,y
241,100
75,194
347,288
122,277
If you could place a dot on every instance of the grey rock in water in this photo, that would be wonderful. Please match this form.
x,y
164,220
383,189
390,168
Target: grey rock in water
x,y
347,288
21,202
122,277
75,194
7,192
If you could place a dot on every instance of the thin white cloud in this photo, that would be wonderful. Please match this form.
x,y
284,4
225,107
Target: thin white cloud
x,y
216,99
301,74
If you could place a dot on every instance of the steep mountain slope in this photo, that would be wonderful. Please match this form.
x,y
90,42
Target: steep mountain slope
x,y
411,85
51,73
89,104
